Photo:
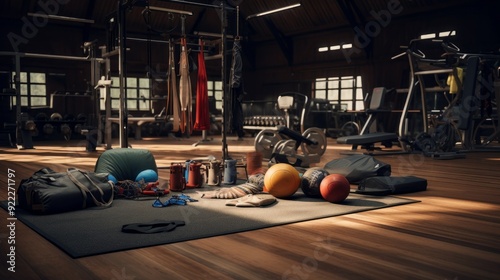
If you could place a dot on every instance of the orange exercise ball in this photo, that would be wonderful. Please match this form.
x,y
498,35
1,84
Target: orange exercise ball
x,y
282,180
335,188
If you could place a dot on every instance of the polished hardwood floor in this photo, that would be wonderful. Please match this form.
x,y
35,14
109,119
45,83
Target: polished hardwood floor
x,y
452,233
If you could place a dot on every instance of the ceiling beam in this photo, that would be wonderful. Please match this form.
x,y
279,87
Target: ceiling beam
x,y
285,43
198,21
357,21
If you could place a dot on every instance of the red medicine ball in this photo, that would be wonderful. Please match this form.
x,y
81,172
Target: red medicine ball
x,y
334,188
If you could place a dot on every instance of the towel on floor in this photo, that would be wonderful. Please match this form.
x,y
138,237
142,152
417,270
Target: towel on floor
x,y
255,184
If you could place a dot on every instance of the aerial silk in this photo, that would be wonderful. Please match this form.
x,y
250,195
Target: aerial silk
x,y
237,90
173,95
202,110
185,90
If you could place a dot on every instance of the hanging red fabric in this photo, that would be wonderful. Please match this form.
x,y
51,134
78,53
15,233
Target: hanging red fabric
x,y
202,106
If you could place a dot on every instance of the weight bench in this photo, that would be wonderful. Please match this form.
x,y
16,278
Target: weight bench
x,y
365,139
139,122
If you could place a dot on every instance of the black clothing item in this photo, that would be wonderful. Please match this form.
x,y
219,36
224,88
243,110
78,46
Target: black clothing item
x,y
237,90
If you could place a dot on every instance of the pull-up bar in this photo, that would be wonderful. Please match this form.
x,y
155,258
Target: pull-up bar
x,y
50,56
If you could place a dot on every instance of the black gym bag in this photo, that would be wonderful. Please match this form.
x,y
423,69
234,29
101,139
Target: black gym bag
x,y
47,191
386,185
358,167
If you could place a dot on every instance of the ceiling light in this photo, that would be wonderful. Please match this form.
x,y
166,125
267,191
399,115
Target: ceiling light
x,y
274,11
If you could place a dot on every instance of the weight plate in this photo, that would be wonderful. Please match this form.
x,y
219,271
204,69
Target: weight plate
x,y
425,143
265,141
66,131
55,117
318,136
350,128
48,129
286,147
41,117
278,146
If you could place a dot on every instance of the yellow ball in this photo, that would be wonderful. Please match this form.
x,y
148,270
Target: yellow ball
x,y
282,180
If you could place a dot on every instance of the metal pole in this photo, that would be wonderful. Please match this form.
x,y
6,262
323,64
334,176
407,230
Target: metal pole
x,y
123,114
225,96
107,105
17,82
94,77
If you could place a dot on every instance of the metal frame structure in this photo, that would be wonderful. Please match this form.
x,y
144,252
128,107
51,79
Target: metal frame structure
x,y
123,122
17,82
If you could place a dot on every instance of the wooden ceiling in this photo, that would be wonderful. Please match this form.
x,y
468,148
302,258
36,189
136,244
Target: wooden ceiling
x,y
312,16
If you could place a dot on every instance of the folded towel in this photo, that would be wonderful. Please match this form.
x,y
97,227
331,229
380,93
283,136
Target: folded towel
x,y
252,200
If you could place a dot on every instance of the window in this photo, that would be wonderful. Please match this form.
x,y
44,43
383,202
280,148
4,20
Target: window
x,y
33,89
344,91
137,92
215,90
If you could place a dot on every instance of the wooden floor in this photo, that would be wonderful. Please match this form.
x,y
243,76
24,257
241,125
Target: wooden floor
x,y
453,233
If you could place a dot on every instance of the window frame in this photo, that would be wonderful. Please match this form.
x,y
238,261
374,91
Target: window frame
x,y
28,98
339,90
215,90
133,93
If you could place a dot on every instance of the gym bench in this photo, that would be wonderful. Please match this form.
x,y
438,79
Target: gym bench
x,y
365,139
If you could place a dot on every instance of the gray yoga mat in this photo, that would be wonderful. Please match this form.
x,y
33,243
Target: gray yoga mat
x,y
96,231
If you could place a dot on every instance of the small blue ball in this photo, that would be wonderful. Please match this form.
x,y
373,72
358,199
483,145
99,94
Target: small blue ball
x,y
112,178
148,175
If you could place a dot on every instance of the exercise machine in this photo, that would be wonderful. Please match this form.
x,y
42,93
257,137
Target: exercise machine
x,y
476,114
438,78
467,83
294,106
